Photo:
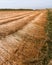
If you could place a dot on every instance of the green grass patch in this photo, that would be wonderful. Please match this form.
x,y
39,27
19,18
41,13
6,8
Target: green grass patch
x,y
49,33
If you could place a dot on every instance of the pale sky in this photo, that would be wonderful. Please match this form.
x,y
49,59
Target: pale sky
x,y
34,4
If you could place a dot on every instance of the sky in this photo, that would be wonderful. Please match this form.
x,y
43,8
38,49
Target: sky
x,y
30,4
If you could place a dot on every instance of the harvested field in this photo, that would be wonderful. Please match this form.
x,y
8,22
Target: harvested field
x,y
23,38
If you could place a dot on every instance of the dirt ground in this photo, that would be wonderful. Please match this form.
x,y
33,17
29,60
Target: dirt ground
x,y
23,38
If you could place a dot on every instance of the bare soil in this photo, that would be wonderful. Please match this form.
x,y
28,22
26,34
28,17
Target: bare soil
x,y
23,41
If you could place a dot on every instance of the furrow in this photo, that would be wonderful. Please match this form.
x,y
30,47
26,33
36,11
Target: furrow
x,y
10,28
12,19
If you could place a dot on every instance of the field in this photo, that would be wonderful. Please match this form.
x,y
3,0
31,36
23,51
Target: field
x,y
23,37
